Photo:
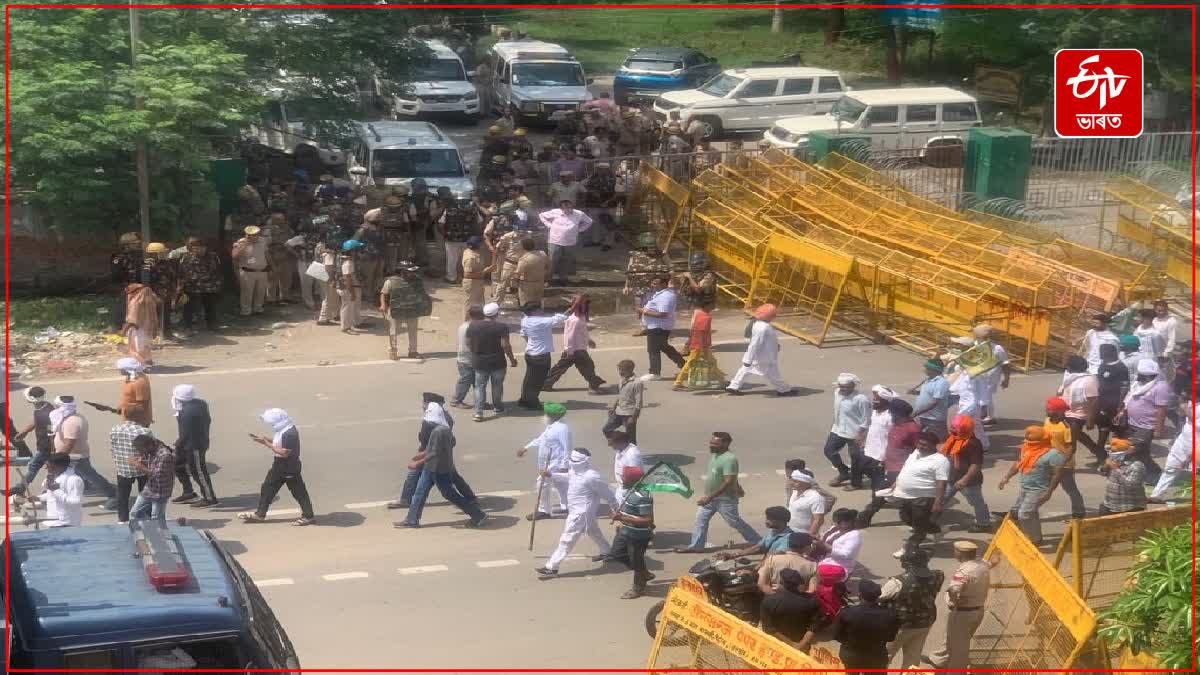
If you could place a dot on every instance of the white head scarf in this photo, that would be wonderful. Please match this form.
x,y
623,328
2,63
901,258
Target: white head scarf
x,y
280,422
435,413
580,462
131,366
847,378
885,393
181,393
62,410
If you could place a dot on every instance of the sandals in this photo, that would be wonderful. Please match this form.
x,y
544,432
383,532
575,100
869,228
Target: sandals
x,y
301,522
251,518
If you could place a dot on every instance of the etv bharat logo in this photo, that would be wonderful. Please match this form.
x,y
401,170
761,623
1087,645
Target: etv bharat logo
x,y
1098,93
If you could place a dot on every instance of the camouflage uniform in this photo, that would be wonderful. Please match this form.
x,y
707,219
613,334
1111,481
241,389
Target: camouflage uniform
x,y
407,301
420,208
162,276
393,218
200,279
371,256
700,283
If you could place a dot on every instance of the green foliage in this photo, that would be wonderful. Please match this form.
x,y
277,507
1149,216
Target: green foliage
x,y
1154,613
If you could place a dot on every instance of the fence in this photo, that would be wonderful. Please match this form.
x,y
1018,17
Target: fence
x,y
1072,172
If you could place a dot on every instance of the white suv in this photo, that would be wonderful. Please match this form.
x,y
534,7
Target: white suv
x,y
753,98
441,85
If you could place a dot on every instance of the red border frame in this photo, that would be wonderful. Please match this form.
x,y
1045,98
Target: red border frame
x,y
597,6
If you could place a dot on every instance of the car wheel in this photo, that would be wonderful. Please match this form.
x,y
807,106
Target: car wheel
x,y
712,127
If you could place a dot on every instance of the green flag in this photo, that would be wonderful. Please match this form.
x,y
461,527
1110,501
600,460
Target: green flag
x,y
666,477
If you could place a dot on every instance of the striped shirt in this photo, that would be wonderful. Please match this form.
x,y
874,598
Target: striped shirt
x,y
640,504
121,440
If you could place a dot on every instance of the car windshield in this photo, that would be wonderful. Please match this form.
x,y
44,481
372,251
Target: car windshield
x,y
721,85
440,69
653,65
847,109
416,164
301,110
550,74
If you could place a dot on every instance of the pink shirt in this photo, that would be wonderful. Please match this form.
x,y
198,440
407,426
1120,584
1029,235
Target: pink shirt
x,y
565,229
575,334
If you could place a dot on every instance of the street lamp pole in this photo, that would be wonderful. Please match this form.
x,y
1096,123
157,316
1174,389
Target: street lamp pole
x,y
143,174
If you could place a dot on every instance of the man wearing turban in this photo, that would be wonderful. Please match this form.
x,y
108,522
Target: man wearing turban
x,y
762,355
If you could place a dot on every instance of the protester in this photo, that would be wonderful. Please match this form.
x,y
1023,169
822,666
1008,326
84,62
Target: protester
x,y
1063,440
1112,381
466,371
40,426
830,592
795,557
776,539
921,488
901,439
553,445
62,492
851,417
625,455
1131,354
700,370
576,342
995,379
1181,460
966,470
721,495
488,342
843,541
865,630
966,597
285,468
658,320
913,595
69,432
969,390
876,442
537,327
1124,491
627,407
1097,335
1081,390
933,399
806,504
1038,465
1144,411
433,465
1167,327
586,490
135,403
762,355
790,614
191,447
157,461
1152,344
635,528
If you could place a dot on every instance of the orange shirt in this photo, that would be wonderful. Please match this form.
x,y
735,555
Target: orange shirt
x,y
135,402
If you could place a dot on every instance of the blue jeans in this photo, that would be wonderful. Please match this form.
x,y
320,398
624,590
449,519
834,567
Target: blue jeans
x,y
34,466
728,508
410,486
496,378
445,485
974,496
466,378
149,508
1067,483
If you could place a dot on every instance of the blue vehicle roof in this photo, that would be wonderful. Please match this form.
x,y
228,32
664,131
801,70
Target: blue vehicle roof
x,y
78,586
664,53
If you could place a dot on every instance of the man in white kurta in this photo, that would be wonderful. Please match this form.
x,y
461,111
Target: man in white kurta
x,y
994,379
553,445
762,355
586,490
1180,462
969,392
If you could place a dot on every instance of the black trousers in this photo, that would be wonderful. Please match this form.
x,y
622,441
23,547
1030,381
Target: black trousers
x,y
582,362
1079,435
206,302
276,478
190,464
918,514
657,345
853,659
124,487
536,369
632,552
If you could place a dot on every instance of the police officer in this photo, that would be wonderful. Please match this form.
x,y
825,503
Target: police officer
x,y
699,283
282,261
393,218
420,208
371,256
403,301
125,267
458,222
965,600
162,275
646,262
508,252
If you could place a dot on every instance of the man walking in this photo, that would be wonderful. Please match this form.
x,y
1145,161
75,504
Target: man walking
x,y
488,342
538,330
285,468
466,371
70,430
966,470
635,527
403,301
625,455
913,595
627,408
435,462
762,355
192,447
965,600
62,492
658,318
1145,410
158,462
553,446
121,440
933,399
721,495
851,418
40,426
585,491
576,342
921,488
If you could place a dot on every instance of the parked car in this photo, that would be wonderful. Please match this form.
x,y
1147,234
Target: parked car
x,y
394,153
440,86
744,99
933,120
538,81
650,71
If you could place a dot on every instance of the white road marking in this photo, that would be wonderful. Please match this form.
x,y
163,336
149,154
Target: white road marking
x,y
345,575
485,564
367,505
274,582
423,569
505,493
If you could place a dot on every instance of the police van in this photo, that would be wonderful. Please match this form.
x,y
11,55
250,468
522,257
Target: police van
x,y
396,153
137,595
442,85
538,81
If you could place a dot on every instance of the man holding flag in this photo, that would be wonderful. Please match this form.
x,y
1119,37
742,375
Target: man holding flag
x,y
635,517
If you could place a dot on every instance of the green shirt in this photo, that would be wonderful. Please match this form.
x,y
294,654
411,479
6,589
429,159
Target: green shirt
x,y
1043,469
719,467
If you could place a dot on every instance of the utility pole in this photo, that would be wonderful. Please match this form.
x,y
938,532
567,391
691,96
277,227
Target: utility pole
x,y
143,173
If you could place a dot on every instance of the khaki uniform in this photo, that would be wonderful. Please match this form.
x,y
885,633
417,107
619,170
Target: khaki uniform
x,y
533,270
250,258
473,284
282,262
370,261
331,302
350,289
973,581
508,252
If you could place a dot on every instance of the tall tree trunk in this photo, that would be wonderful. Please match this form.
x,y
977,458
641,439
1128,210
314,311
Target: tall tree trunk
x,y
893,40
777,20
837,24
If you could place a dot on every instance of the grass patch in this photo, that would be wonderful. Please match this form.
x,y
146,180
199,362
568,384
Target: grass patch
x,y
73,313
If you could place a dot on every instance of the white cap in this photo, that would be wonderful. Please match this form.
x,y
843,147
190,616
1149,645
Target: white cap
x,y
846,378
883,392
1147,367
803,476
491,309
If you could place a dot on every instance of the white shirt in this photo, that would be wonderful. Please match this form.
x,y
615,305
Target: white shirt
x,y
464,354
586,488
804,506
630,456
1153,344
1166,328
538,332
918,478
851,414
1182,452
877,433
1093,340
844,549
967,389
64,505
662,301
764,345
565,229
553,446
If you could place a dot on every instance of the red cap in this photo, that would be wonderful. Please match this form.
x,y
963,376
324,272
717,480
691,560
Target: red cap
x,y
1055,404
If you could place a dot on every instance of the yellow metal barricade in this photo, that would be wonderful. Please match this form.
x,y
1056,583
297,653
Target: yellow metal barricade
x,y
661,200
805,281
880,183
693,634
735,244
1033,618
1156,221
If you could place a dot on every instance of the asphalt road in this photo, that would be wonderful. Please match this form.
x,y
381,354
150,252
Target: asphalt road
x,y
353,591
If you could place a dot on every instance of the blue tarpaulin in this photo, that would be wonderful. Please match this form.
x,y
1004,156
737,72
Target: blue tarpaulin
x,y
914,14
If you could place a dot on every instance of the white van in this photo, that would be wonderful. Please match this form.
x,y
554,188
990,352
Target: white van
x,y
442,85
924,117
538,81
395,153
753,98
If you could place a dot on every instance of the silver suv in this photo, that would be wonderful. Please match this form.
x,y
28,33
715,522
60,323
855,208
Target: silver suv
x,y
394,153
